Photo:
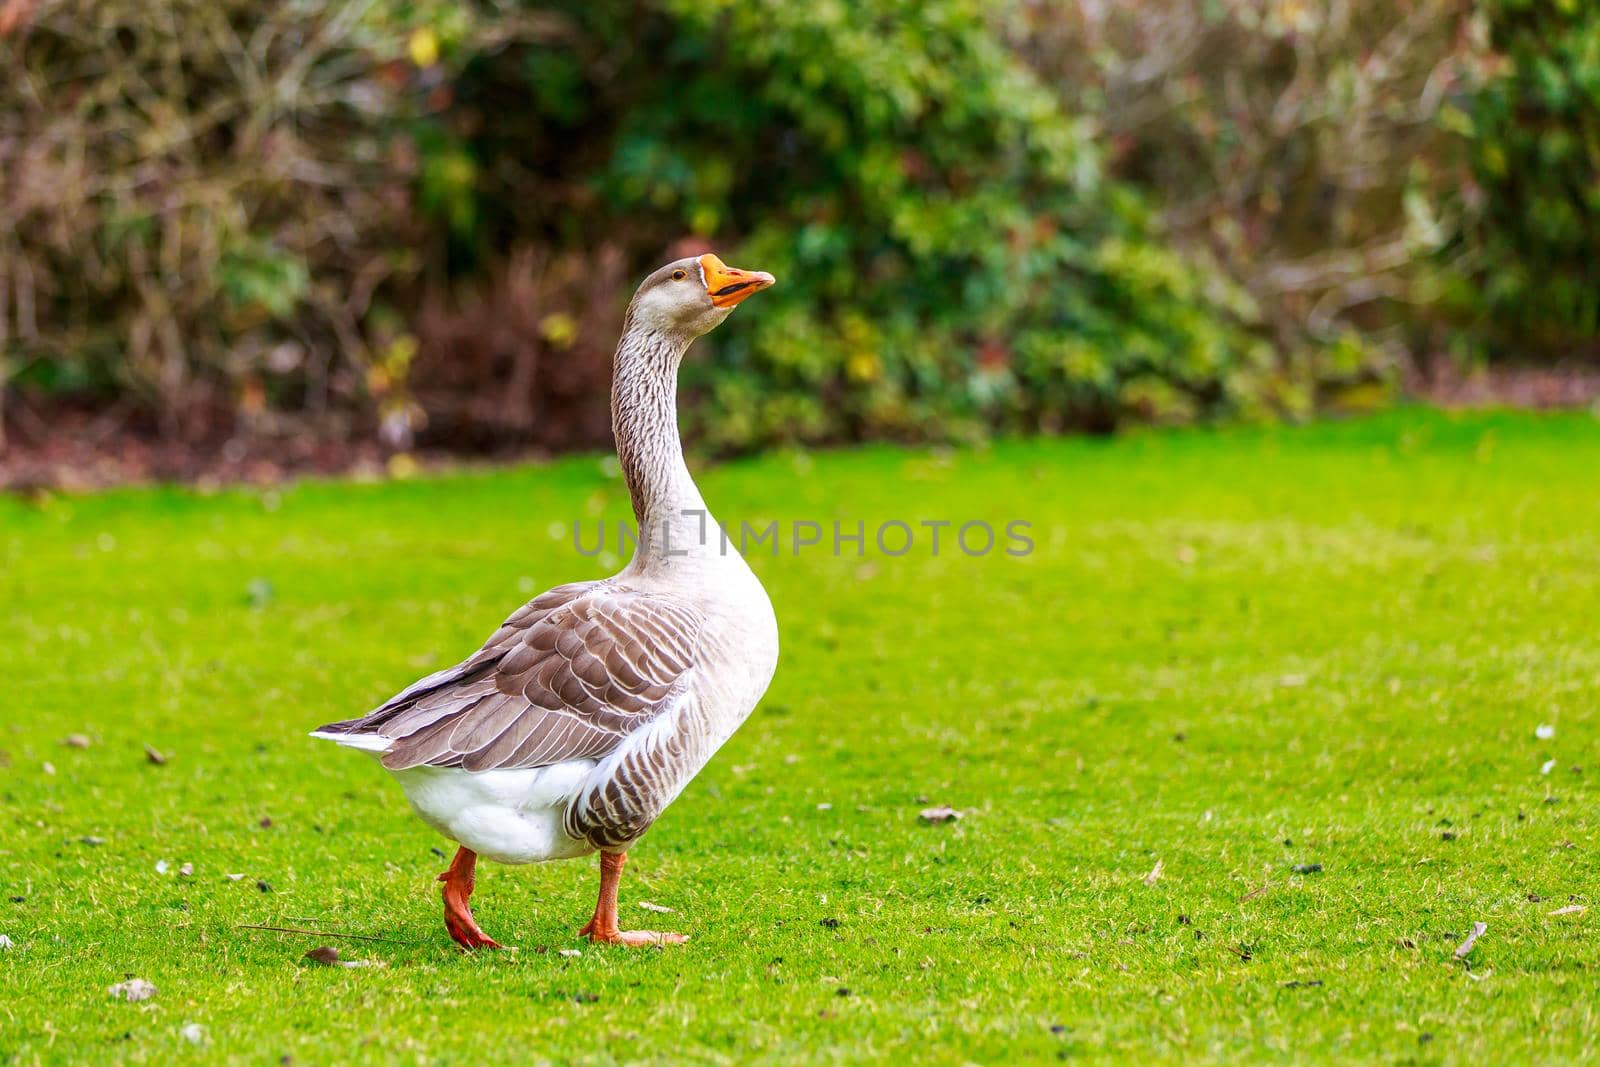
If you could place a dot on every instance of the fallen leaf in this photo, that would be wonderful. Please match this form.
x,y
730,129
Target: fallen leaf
x,y
328,956
1570,909
153,755
133,990
186,870
647,906
1155,873
940,814
1478,930
76,741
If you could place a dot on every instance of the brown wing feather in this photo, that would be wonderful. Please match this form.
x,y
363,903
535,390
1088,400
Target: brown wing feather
x,y
567,676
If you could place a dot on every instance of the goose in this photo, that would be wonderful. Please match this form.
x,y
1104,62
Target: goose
x,y
587,712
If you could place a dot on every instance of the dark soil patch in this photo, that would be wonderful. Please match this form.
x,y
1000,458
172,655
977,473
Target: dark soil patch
x,y
77,451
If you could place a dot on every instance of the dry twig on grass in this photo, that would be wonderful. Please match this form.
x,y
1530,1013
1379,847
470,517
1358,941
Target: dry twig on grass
x,y
321,933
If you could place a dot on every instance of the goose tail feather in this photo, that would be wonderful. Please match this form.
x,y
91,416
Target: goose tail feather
x,y
364,742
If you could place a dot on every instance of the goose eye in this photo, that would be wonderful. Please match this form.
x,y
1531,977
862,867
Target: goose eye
x,y
679,275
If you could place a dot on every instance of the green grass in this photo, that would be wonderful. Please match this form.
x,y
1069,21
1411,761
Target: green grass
x,y
1231,652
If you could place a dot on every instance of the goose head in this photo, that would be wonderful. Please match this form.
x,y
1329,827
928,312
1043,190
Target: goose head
x,y
690,297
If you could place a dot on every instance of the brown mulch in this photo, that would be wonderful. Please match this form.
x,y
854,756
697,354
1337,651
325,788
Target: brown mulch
x,y
82,452
1574,385
77,451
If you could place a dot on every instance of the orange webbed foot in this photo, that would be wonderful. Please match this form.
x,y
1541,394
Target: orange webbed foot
x,y
602,929
631,938
458,920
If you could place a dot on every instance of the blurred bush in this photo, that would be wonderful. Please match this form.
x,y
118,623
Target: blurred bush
x,y
1300,143
951,256
396,217
1421,174
199,212
1531,286
524,353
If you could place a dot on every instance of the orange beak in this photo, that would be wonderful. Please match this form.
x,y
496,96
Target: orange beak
x,y
727,285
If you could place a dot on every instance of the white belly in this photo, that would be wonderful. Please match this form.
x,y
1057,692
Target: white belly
x,y
510,816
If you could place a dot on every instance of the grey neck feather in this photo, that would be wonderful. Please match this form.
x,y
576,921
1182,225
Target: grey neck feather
x,y
644,419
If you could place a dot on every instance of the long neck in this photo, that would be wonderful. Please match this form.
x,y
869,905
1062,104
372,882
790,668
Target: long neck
x,y
644,419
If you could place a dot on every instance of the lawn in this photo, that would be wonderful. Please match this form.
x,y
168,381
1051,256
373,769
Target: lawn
x,y
1244,748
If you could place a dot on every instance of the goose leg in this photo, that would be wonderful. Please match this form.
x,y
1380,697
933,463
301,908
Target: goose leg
x,y
457,891
602,928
